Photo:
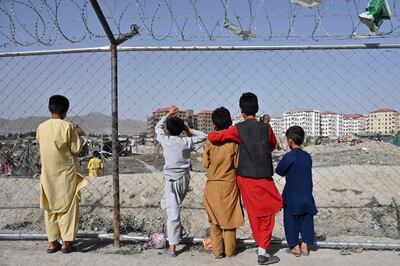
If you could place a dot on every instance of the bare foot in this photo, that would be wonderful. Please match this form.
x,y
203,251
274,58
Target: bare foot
x,y
296,250
171,249
304,248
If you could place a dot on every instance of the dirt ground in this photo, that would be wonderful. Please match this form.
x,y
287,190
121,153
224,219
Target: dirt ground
x,y
356,188
103,253
353,200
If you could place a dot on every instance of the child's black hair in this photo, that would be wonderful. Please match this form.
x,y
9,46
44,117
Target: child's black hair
x,y
175,126
221,118
249,103
295,133
58,104
96,154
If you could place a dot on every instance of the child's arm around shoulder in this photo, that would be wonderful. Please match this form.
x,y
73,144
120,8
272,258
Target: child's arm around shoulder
x,y
229,134
284,165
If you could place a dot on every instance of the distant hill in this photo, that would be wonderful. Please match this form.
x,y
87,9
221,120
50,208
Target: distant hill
x,y
97,123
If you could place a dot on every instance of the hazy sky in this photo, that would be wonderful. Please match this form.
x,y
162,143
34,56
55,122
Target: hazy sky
x,y
351,81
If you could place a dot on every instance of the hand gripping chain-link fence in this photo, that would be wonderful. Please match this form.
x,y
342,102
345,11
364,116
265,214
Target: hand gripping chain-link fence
x,y
356,176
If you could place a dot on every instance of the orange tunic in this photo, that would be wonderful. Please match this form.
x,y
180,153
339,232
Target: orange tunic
x,y
221,193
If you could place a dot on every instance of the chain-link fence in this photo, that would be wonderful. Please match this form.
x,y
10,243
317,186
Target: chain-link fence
x,y
355,171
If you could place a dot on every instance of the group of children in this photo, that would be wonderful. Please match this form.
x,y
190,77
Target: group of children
x,y
239,162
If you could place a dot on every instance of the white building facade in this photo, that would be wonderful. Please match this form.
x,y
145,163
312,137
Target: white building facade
x,y
277,126
331,124
353,124
309,120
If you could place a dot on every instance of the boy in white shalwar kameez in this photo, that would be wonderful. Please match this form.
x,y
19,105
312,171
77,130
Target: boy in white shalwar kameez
x,y
176,151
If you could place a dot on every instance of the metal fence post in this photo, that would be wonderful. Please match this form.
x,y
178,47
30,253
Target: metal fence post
x,y
115,168
114,109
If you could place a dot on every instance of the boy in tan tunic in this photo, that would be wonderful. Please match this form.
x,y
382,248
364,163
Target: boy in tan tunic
x,y
60,183
221,194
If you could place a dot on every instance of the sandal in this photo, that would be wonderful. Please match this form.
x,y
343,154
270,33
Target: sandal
x,y
220,256
305,253
55,249
166,253
68,250
289,251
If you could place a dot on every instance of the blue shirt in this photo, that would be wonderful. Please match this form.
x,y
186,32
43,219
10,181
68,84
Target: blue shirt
x,y
297,195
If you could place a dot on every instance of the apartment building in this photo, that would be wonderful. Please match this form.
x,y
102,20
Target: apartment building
x,y
277,126
383,121
331,124
308,119
353,124
238,119
202,121
160,112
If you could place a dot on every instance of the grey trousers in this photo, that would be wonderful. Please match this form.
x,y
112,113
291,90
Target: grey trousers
x,y
175,192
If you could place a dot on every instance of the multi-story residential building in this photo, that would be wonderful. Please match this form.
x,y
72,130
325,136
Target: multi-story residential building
x,y
383,121
277,126
353,124
160,112
202,121
398,123
331,124
238,119
309,120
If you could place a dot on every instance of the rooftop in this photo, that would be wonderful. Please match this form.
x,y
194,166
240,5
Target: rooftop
x,y
165,110
301,111
205,112
352,116
383,110
329,113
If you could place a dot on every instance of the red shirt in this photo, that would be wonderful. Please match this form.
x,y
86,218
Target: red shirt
x,y
232,134
260,196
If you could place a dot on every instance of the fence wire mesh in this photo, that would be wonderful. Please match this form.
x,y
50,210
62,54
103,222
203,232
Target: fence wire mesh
x,y
356,178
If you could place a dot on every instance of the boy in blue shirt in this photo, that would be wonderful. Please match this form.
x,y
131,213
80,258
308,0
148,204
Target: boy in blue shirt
x,y
298,201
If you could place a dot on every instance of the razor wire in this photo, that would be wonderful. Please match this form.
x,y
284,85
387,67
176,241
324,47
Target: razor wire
x,y
50,23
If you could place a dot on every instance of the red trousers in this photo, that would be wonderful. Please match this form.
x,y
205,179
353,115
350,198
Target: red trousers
x,y
262,201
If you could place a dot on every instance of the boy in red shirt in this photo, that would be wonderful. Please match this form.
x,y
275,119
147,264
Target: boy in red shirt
x,y
261,198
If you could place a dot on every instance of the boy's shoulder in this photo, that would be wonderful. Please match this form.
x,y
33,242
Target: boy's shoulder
x,y
60,122
222,145
304,154
53,124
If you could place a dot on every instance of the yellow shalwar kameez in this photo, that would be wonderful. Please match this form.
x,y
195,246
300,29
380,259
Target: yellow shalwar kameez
x,y
95,166
60,183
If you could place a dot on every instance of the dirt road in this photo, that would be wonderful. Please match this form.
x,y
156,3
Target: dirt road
x,y
103,253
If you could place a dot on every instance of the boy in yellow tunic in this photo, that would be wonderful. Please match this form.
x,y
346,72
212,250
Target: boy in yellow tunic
x,y
60,183
95,165
221,194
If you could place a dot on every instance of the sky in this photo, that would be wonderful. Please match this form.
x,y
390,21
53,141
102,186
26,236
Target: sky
x,y
345,81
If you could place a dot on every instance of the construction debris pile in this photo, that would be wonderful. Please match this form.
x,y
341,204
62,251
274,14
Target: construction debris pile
x,y
19,157
364,153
